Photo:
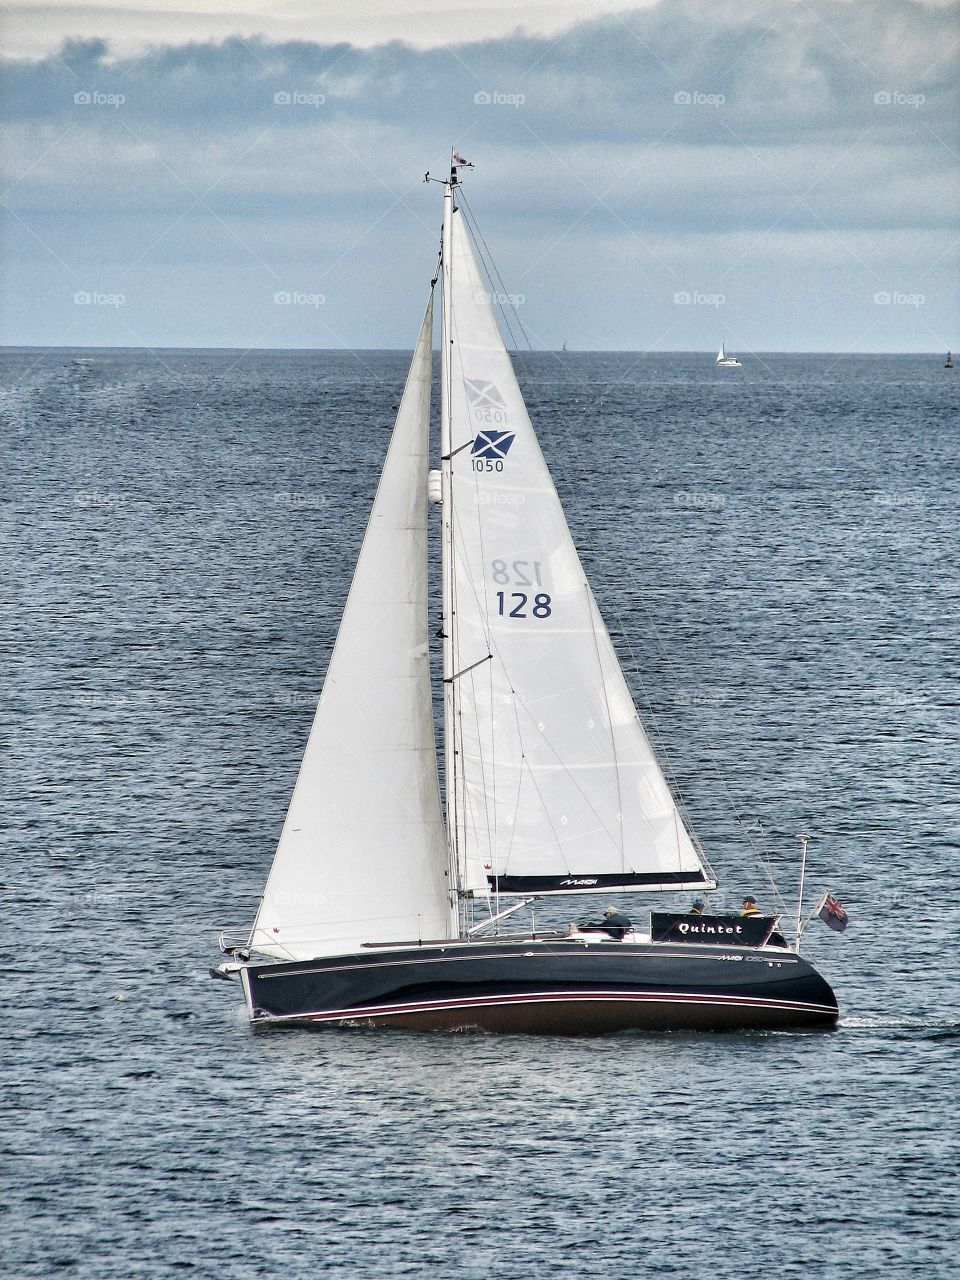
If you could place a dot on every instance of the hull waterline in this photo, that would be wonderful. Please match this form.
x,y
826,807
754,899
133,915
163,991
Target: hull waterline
x,y
546,987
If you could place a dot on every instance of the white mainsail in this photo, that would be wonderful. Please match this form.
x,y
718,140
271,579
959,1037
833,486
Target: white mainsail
x,y
363,856
555,786
722,353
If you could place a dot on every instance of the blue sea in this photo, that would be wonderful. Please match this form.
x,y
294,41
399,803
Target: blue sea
x,y
775,551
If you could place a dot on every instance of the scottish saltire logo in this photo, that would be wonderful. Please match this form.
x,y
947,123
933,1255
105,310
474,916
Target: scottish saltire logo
x,y
492,444
488,407
484,394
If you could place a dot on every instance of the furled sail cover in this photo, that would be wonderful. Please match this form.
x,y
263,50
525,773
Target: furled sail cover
x,y
363,856
558,788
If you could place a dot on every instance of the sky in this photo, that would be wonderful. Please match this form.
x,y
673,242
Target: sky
x,y
779,174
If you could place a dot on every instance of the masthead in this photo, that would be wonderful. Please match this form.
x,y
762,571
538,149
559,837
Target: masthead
x,y
457,162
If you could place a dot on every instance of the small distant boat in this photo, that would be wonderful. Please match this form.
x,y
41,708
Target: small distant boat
x,y
728,362
949,364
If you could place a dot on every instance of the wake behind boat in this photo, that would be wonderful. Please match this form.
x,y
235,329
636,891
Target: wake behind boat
x,y
385,906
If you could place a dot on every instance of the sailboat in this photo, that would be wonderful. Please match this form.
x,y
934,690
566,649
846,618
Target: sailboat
x,y
727,362
388,904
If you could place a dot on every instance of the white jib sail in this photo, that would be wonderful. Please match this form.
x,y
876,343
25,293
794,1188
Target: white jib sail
x,y
558,788
363,856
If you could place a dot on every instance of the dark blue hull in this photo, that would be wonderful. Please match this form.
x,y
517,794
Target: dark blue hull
x,y
553,985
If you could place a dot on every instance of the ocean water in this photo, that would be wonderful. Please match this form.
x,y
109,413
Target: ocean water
x,y
775,550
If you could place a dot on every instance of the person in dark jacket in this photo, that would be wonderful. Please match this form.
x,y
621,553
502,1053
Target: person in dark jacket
x,y
616,924
698,908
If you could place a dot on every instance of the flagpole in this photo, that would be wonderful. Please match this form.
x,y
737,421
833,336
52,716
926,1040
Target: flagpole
x,y
803,866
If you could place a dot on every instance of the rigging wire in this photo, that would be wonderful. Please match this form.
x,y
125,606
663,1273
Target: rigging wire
x,y
502,299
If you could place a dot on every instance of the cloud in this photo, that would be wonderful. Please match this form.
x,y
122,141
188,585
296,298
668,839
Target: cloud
x,y
34,25
809,67
640,133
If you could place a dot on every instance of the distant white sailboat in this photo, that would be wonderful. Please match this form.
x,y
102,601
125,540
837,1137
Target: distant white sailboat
x,y
727,362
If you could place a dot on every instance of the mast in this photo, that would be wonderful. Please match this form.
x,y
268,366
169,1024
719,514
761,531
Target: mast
x,y
450,771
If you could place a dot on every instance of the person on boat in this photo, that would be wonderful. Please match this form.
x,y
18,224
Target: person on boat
x,y
616,924
750,907
698,908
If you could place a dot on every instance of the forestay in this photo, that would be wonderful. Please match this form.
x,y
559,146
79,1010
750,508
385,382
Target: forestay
x,y
362,856
557,788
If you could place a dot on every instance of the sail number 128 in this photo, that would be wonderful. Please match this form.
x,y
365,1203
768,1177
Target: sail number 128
x,y
520,604
515,605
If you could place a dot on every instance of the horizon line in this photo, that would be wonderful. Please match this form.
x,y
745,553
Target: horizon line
x,y
546,351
